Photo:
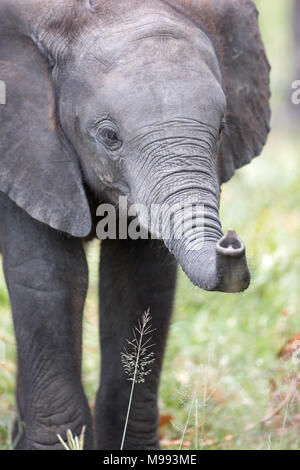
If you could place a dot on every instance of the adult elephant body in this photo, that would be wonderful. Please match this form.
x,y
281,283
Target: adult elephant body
x,y
157,101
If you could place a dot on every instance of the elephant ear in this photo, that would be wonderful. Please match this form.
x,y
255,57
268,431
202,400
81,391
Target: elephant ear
x,y
232,26
39,170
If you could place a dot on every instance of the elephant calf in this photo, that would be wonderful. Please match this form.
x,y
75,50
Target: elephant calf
x,y
157,101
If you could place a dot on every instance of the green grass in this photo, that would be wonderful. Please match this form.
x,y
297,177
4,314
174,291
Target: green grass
x,y
222,348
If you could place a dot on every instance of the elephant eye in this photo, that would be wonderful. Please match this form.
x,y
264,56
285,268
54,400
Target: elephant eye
x,y
110,138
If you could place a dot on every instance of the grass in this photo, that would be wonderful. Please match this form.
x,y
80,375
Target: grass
x,y
73,442
221,369
137,358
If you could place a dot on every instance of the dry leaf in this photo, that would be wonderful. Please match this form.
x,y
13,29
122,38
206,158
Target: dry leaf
x,y
289,348
165,419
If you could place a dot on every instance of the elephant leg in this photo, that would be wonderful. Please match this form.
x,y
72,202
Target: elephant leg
x,y
134,276
18,441
47,279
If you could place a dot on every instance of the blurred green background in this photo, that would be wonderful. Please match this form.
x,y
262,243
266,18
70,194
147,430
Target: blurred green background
x,y
223,385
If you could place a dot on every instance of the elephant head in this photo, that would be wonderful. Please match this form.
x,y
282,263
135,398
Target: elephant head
x,y
160,101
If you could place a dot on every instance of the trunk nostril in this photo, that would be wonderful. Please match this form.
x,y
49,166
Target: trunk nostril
x,y
230,244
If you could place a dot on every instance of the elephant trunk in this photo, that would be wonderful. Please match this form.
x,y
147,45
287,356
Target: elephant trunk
x,y
215,263
212,261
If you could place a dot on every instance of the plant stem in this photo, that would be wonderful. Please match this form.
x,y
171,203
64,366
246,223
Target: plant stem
x,y
187,422
132,386
196,424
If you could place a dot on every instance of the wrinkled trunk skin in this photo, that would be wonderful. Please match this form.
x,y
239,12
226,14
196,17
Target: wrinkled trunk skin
x,y
218,265
212,261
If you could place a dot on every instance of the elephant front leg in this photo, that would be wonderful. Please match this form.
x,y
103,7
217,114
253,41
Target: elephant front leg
x,y
134,276
47,278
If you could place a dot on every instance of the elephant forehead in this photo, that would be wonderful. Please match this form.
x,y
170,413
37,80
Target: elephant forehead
x,y
150,93
160,91
152,35
163,82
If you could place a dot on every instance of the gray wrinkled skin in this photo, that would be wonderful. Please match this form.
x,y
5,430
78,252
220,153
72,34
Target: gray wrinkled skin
x,y
163,77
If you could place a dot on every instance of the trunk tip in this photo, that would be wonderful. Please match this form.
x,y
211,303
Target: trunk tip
x,y
230,244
